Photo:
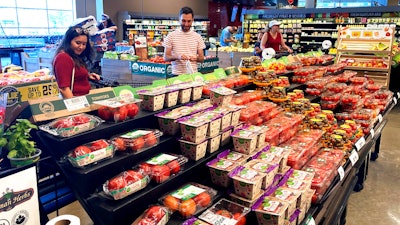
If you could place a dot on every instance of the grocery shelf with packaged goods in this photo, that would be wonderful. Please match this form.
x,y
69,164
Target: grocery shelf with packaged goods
x,y
161,26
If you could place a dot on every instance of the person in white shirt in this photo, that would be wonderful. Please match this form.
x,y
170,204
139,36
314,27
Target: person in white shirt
x,y
184,45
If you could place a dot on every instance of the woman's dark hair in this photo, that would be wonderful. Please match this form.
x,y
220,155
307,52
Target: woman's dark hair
x,y
186,10
87,55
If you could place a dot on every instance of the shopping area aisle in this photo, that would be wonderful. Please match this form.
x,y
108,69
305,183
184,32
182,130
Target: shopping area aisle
x,y
376,204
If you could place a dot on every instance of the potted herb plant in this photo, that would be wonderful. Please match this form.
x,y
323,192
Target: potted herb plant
x,y
17,140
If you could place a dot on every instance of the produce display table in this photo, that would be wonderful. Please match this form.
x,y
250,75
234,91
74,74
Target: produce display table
x,y
87,182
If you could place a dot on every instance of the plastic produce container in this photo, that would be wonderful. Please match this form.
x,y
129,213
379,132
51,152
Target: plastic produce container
x,y
219,170
71,125
155,214
194,128
126,183
152,100
225,212
91,153
189,199
287,195
269,170
162,166
246,182
270,210
137,140
244,141
221,95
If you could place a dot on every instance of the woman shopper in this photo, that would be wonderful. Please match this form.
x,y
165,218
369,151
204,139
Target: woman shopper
x,y
70,64
273,38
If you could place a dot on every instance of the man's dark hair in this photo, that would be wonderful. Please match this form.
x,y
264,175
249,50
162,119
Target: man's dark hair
x,y
186,10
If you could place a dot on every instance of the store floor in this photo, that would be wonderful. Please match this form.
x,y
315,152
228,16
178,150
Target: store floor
x,y
376,204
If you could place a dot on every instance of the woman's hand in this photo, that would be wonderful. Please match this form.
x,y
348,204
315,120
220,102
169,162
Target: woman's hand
x,y
94,76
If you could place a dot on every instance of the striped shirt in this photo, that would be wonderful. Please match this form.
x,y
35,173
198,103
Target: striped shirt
x,y
187,43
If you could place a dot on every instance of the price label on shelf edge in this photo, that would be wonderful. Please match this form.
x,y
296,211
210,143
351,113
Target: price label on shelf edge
x,y
353,157
341,172
398,95
310,221
360,143
380,118
372,132
395,100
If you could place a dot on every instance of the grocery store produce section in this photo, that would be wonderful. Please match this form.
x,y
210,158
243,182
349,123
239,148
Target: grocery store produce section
x,y
282,140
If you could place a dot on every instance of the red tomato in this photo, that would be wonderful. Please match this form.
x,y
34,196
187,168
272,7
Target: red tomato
x,y
160,173
81,150
147,221
81,119
224,212
116,183
187,208
105,113
99,144
240,218
174,166
131,176
119,144
145,167
203,199
132,109
63,123
150,139
137,144
155,212
120,114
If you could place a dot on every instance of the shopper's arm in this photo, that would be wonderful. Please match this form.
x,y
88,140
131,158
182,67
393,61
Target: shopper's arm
x,y
66,92
283,44
264,40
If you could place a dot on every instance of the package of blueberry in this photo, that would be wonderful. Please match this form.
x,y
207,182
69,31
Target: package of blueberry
x,y
189,199
162,166
91,153
155,214
126,183
137,140
71,125
225,212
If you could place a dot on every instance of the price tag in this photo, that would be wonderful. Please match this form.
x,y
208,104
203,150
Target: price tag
x,y
395,100
353,157
231,54
398,95
310,221
380,118
360,143
76,103
372,132
341,172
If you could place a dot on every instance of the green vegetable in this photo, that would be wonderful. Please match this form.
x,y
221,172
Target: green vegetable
x,y
17,139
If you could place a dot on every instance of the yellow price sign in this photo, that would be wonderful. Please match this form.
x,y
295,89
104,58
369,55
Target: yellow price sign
x,y
36,91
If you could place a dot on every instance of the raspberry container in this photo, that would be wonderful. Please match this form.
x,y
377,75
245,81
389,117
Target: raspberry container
x,y
193,151
270,210
219,170
270,170
246,182
244,141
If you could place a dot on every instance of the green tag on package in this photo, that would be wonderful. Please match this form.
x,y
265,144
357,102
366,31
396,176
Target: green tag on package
x,y
180,79
220,73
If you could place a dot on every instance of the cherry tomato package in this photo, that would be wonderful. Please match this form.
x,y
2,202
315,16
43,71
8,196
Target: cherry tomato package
x,y
117,109
225,212
161,167
126,183
71,125
155,214
137,140
189,199
91,153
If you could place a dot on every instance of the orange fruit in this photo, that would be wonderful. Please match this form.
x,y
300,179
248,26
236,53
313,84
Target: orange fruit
x,y
171,202
203,199
187,208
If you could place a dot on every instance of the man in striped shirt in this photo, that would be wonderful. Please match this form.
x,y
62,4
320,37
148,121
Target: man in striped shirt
x,y
184,45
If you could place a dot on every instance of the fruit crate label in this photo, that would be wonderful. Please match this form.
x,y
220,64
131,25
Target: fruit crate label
x,y
341,172
353,157
161,159
76,103
135,134
213,218
360,143
187,192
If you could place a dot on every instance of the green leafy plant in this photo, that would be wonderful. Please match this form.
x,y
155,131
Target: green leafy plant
x,y
17,139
